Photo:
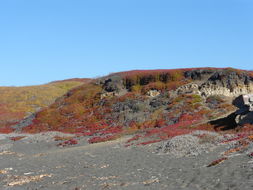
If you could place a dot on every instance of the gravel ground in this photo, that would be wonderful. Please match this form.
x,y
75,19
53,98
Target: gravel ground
x,y
36,162
192,144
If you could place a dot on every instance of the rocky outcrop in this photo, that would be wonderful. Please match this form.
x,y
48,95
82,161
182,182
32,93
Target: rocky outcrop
x,y
227,83
244,119
188,88
244,102
112,84
199,74
153,93
244,115
205,82
108,95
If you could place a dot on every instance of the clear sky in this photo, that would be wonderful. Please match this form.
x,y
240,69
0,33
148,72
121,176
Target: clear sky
x,y
46,40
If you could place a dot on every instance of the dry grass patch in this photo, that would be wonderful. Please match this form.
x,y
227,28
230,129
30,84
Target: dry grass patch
x,y
21,180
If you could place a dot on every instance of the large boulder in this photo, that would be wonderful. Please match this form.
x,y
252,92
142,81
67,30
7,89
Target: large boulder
x,y
244,115
244,119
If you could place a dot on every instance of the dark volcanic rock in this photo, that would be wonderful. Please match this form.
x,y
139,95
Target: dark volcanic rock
x,y
198,74
229,79
112,84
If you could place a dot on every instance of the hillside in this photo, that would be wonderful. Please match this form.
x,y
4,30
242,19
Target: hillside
x,y
155,105
17,103
159,129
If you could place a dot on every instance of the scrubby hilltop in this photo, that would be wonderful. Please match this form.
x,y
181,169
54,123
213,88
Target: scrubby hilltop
x,y
156,104
17,103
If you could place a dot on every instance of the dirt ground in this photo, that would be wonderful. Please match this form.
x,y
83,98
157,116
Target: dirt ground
x,y
37,163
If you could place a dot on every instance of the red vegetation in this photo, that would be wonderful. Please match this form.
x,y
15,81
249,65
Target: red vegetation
x,y
135,138
68,143
6,130
216,162
9,117
102,139
59,138
17,138
111,130
243,145
238,137
171,130
83,80
74,113
184,126
205,127
149,142
158,71
251,155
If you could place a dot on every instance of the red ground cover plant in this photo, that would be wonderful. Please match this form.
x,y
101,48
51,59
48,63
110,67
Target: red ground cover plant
x,y
184,126
237,138
135,138
68,114
102,139
161,72
241,141
111,130
70,142
251,155
216,162
150,142
59,138
17,138
6,130
243,146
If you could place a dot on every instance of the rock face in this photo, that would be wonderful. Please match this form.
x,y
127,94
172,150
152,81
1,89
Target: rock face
x,y
205,82
231,84
220,82
198,74
112,84
188,88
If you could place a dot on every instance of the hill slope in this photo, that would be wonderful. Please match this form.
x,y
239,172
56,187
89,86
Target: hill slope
x,y
19,102
156,104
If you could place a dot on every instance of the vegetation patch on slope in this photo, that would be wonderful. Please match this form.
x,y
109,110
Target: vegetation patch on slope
x,y
19,102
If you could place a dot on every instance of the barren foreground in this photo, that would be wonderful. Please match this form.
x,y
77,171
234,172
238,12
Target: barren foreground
x,y
35,162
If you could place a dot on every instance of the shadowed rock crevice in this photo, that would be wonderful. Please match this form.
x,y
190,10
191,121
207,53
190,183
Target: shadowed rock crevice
x,y
226,123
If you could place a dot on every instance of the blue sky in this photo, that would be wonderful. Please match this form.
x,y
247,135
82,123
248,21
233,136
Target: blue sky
x,y
46,40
